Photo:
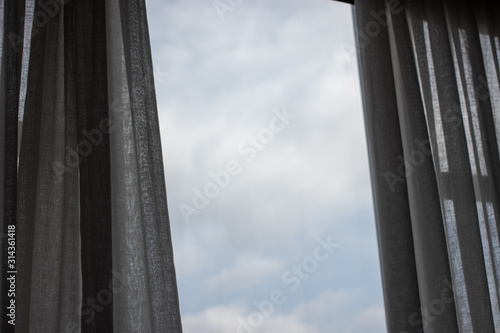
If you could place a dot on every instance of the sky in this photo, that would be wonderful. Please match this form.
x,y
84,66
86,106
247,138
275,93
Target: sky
x,y
266,166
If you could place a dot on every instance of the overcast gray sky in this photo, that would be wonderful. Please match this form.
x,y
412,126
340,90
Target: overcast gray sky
x,y
266,166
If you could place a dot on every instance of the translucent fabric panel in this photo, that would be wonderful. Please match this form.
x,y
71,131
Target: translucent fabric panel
x,y
443,60
93,243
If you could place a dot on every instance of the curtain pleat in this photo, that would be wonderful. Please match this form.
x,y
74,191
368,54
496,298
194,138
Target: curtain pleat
x,y
443,63
436,67
93,243
49,275
88,25
431,256
156,287
11,55
3,106
384,143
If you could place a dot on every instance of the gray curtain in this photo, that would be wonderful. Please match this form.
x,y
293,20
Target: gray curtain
x,y
86,191
430,81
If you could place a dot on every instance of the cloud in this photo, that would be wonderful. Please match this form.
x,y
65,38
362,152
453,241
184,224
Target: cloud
x,y
372,317
327,303
229,319
190,258
303,318
217,319
246,272
341,311
225,78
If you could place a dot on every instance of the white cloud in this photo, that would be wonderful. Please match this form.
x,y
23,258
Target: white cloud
x,y
228,319
289,324
327,303
224,80
217,319
373,317
328,313
190,258
301,319
246,272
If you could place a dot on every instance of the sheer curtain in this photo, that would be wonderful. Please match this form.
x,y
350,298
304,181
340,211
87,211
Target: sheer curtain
x,y
430,79
93,246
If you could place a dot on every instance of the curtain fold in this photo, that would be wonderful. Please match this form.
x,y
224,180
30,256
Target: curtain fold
x,y
86,190
11,54
86,25
429,72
